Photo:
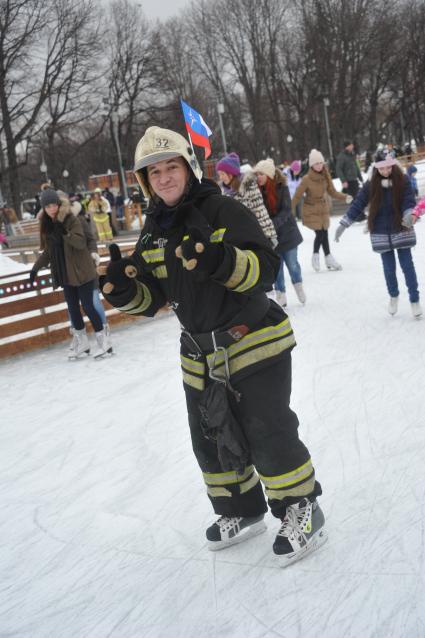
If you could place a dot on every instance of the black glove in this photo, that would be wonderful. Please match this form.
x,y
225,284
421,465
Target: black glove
x,y
33,275
199,254
119,273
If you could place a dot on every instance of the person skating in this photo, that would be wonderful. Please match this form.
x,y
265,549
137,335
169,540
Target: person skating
x,y
348,171
293,175
244,189
275,192
98,207
200,252
391,201
317,187
64,248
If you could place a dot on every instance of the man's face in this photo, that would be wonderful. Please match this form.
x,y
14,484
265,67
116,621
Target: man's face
x,y
350,148
168,179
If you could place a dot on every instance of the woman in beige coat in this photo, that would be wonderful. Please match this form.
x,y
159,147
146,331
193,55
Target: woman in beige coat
x,y
316,207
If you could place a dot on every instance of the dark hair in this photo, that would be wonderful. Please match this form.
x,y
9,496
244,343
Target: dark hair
x,y
235,182
46,227
376,195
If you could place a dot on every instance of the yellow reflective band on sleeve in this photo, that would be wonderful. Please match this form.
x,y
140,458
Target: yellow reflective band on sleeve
x,y
195,382
153,256
252,275
160,272
198,367
300,490
140,302
239,270
227,478
217,235
290,478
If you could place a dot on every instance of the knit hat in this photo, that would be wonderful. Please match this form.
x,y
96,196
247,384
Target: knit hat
x,y
230,164
49,196
295,166
315,157
266,166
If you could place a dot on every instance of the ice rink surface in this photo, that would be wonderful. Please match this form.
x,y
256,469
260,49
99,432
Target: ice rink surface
x,y
103,508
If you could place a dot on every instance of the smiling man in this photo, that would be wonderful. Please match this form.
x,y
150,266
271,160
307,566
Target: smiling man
x,y
206,255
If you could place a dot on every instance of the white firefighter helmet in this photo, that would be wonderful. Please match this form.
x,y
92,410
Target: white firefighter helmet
x,y
159,144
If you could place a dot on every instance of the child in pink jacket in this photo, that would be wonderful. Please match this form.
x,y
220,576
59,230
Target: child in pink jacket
x,y
419,209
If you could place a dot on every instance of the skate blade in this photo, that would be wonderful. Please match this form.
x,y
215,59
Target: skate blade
x,y
79,356
248,532
104,355
317,541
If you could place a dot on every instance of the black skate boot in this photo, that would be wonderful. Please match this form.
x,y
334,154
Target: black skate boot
x,y
229,530
301,532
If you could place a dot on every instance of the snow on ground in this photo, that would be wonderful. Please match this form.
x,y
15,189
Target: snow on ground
x,y
9,266
104,509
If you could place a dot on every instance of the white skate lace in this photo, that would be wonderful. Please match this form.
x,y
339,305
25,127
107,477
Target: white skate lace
x,y
293,523
226,523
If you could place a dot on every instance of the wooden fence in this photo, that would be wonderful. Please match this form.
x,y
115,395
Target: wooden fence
x,y
36,316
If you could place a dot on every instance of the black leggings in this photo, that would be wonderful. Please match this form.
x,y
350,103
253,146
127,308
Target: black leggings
x,y
321,239
73,296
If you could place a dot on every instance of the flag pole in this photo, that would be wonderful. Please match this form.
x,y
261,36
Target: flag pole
x,y
193,151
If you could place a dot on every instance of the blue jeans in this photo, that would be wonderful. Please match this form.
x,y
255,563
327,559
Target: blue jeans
x,y
97,305
408,268
290,258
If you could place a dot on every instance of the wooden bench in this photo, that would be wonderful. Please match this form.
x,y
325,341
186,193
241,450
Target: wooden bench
x,y
36,316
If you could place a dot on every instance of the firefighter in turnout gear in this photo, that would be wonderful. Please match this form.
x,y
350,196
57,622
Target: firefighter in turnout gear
x,y
206,255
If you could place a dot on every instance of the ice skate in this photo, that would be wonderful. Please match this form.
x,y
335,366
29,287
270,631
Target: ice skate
x,y
281,298
108,338
103,345
416,309
300,292
393,305
301,532
229,530
331,263
315,262
79,345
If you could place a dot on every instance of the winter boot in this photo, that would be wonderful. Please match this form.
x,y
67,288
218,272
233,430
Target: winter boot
x,y
108,337
79,344
416,309
393,305
300,292
315,262
301,532
103,347
331,263
229,530
281,298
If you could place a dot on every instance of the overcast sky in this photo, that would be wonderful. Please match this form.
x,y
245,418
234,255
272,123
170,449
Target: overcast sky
x,y
162,8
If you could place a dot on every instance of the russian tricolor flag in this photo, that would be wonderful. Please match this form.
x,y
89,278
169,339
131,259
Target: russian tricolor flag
x,y
197,128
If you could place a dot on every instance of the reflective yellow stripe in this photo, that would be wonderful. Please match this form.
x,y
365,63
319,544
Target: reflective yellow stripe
x,y
194,382
101,219
227,478
239,269
154,255
218,235
249,484
253,273
191,365
253,339
300,490
255,356
295,476
160,272
140,302
218,491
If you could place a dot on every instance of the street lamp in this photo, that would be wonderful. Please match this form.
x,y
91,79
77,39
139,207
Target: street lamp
x,y
115,134
400,96
43,169
220,109
326,103
65,176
